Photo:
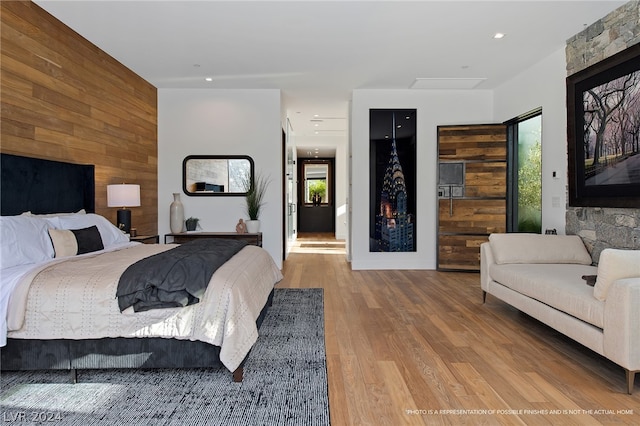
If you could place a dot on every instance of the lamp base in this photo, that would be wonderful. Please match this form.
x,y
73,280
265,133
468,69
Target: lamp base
x,y
124,220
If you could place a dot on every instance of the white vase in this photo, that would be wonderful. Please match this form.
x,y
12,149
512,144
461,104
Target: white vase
x,y
176,214
253,226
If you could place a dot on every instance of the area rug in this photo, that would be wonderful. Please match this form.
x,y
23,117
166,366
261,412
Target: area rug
x,y
285,383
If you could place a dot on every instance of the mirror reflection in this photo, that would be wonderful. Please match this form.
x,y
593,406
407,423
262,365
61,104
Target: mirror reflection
x,y
216,174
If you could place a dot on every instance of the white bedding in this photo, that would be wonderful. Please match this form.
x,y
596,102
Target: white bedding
x,y
10,278
226,316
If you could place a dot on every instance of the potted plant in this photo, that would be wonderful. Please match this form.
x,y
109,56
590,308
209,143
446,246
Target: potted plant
x,y
256,191
317,190
192,223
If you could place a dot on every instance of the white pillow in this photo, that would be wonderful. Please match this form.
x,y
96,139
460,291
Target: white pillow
x,y
81,211
615,264
110,233
537,248
24,240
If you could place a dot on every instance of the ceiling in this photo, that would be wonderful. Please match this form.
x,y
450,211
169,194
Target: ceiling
x,y
318,52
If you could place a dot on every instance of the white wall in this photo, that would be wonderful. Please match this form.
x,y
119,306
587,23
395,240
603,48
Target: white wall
x,y
434,108
543,85
218,122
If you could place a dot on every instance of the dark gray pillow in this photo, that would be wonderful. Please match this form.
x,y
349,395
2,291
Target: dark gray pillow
x,y
590,279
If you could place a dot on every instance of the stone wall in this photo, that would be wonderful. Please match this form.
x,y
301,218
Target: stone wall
x,y
604,227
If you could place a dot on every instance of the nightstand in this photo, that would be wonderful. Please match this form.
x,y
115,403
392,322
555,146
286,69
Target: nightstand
x,y
146,239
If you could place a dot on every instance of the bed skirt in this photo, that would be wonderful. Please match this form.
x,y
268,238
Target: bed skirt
x,y
108,353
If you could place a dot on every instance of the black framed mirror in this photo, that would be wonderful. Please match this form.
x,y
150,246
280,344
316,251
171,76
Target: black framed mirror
x,y
216,175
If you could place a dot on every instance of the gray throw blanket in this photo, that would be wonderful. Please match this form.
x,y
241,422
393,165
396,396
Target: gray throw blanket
x,y
176,277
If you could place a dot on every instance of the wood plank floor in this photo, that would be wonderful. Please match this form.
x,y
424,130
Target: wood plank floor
x,y
419,347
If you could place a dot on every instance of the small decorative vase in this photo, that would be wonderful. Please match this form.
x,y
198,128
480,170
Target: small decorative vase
x,y
253,226
176,214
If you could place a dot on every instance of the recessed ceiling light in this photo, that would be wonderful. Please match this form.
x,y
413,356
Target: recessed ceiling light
x,y
499,35
209,79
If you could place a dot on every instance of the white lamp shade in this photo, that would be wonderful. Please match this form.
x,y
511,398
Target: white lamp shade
x,y
123,195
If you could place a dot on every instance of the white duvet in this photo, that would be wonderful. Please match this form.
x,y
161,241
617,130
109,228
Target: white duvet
x,y
75,299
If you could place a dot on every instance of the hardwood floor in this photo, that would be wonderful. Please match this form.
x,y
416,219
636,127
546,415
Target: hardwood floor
x,y
419,347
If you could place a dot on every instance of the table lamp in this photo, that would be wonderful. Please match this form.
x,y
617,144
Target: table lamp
x,y
123,195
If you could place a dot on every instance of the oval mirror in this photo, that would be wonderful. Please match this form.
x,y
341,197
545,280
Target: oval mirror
x,y
215,175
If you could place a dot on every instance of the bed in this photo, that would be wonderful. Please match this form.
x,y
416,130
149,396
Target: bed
x,y
53,321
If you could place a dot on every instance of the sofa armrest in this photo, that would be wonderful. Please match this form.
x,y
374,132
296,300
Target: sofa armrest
x,y
486,260
622,323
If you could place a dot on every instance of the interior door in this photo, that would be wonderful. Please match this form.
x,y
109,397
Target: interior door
x,y
472,190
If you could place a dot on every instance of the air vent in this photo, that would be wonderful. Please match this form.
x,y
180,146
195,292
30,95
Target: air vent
x,y
446,83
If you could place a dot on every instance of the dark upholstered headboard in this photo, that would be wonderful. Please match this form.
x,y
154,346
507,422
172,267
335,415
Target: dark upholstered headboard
x,y
44,186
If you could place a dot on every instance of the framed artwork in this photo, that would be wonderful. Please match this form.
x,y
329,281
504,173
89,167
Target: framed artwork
x,y
392,174
603,132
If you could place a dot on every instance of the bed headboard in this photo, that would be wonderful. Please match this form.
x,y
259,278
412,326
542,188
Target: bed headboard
x,y
45,186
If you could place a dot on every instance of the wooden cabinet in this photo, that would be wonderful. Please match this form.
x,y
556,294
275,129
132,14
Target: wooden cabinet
x,y
471,192
183,237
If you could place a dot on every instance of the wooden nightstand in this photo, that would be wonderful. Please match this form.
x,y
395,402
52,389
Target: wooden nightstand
x,y
146,239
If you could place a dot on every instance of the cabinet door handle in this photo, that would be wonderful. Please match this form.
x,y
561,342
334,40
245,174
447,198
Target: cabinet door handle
x,y
450,201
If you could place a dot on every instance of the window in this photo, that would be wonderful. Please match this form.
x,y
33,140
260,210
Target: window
x,y
524,180
316,184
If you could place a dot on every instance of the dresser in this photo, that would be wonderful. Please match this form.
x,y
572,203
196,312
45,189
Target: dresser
x,y
183,237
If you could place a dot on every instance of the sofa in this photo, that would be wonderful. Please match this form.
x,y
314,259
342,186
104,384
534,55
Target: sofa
x,y
552,278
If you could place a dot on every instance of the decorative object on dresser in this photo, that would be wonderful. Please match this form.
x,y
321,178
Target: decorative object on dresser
x,y
176,214
252,238
191,223
256,191
241,227
123,195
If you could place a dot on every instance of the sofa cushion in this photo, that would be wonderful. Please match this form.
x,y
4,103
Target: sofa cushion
x,y
559,286
536,248
613,265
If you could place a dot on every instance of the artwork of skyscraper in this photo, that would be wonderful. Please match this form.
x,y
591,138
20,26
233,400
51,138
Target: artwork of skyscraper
x,y
394,222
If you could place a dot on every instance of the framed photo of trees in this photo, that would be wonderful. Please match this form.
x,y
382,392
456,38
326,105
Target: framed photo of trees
x,y
603,132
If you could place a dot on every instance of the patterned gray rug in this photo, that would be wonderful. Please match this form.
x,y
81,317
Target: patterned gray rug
x,y
285,383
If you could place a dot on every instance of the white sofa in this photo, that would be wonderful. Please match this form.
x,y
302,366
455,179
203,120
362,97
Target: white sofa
x,y
541,275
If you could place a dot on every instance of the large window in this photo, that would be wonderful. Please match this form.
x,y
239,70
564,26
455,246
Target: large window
x,y
524,181
316,182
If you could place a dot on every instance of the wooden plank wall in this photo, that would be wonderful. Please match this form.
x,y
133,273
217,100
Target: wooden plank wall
x,y
64,99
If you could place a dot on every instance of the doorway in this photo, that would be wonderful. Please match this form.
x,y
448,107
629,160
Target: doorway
x,y
316,195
